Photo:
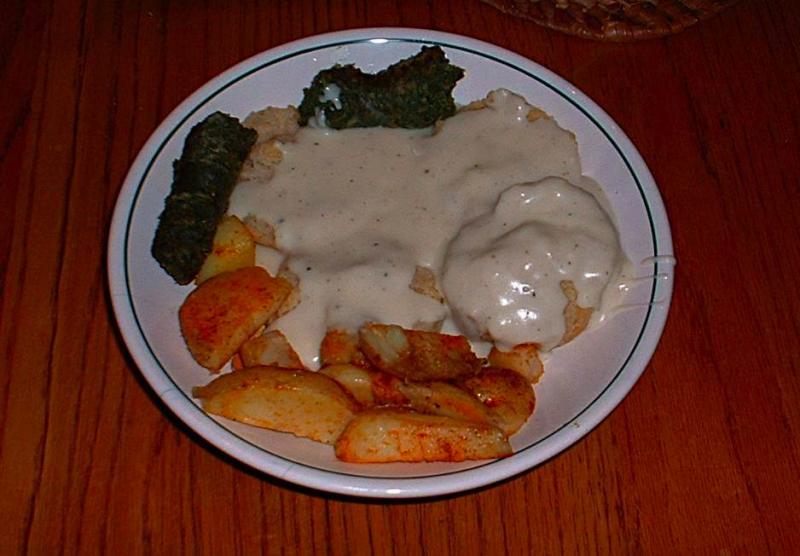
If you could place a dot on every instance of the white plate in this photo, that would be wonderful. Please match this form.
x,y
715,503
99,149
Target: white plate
x,y
583,382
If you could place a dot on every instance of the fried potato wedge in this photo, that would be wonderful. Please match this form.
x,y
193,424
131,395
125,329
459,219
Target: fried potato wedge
x,y
300,402
270,348
386,390
523,359
417,354
576,318
293,299
507,394
443,398
341,347
236,362
233,248
370,388
356,380
221,313
395,435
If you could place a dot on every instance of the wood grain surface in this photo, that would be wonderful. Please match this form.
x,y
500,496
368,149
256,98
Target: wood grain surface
x,y
701,458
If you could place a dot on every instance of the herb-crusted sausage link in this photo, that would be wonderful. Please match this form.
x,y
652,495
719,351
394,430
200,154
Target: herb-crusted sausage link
x,y
203,179
413,93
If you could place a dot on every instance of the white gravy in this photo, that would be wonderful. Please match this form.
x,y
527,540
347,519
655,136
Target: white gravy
x,y
503,270
355,211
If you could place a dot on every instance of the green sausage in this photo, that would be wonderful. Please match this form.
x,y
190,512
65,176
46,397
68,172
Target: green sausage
x,y
203,178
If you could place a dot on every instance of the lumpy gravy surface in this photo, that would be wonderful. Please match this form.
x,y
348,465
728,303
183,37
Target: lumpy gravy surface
x,y
356,211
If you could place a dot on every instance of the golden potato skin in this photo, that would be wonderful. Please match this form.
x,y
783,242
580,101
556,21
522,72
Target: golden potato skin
x,y
443,398
233,248
300,402
417,354
371,388
224,311
356,380
395,435
341,347
523,358
508,396
293,299
271,349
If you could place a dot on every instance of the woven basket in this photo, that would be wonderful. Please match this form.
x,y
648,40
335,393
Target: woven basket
x,y
614,20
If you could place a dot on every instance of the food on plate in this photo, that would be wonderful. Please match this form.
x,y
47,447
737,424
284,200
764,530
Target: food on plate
x,y
413,93
417,354
507,394
443,398
534,266
497,396
341,346
204,176
358,212
576,318
301,402
522,359
224,311
370,387
424,282
233,248
373,388
425,259
293,298
262,232
269,349
273,126
358,381
388,435
273,123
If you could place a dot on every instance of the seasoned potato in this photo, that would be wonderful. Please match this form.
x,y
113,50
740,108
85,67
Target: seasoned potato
x,y
442,398
507,394
370,388
221,313
340,347
236,362
417,354
270,348
301,402
386,389
576,318
523,359
293,299
233,248
387,435
356,380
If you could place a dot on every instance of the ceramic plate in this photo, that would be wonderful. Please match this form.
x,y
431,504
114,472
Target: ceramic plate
x,y
583,381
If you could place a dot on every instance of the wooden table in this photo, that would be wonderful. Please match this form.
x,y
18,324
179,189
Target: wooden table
x,y
701,458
